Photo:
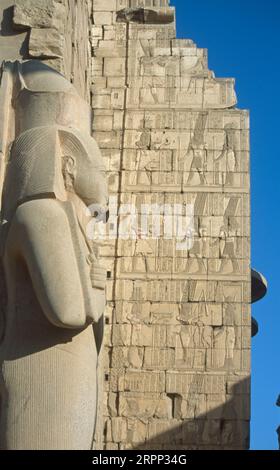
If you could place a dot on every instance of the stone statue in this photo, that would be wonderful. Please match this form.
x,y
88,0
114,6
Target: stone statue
x,y
52,319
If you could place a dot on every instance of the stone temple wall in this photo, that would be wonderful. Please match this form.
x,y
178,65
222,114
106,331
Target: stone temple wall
x,y
178,325
177,322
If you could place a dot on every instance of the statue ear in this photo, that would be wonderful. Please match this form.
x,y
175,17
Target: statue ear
x,y
70,164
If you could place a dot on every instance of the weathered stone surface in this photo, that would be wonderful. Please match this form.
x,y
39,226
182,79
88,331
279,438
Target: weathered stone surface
x,y
12,46
38,14
57,29
46,43
100,5
141,381
146,16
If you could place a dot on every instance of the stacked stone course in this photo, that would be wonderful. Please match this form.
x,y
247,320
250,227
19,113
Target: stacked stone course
x,y
178,325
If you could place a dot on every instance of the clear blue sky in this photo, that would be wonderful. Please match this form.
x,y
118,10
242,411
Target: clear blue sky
x,y
243,40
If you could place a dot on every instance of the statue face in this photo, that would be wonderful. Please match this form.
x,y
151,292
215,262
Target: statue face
x,y
88,176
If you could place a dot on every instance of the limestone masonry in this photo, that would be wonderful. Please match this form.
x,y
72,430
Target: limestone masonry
x,y
178,326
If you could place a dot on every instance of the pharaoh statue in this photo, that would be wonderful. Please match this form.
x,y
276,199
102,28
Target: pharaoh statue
x,y
51,320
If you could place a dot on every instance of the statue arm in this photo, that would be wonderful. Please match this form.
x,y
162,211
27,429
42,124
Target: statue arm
x,y
41,235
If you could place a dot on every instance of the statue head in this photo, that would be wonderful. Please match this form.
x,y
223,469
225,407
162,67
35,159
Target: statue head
x,y
51,162
53,154
82,167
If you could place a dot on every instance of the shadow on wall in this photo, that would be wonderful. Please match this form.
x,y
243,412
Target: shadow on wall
x,y
221,427
7,22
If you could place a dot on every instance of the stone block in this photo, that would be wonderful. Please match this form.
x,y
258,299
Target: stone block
x,y
184,383
111,446
121,335
190,359
109,49
116,82
39,14
146,335
101,5
127,357
141,381
112,404
132,312
114,67
46,43
160,430
164,313
143,406
190,336
109,33
102,123
136,431
159,358
101,100
107,139
119,430
97,32
102,18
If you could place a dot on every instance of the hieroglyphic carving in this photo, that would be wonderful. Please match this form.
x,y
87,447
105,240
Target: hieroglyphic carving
x,y
176,139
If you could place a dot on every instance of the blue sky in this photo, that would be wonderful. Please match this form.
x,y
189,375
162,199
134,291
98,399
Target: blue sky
x,y
243,40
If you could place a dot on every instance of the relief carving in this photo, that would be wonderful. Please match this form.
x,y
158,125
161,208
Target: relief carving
x,y
197,152
226,163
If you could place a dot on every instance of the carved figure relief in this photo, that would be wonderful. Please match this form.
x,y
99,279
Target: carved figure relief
x,y
229,263
197,153
197,253
226,163
223,347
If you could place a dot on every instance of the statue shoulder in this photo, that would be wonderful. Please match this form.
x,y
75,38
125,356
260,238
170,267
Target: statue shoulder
x,y
40,213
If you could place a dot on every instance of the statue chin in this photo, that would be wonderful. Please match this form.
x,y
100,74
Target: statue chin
x,y
51,327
